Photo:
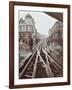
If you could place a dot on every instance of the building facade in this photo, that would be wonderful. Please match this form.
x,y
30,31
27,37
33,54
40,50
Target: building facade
x,y
27,26
27,32
56,34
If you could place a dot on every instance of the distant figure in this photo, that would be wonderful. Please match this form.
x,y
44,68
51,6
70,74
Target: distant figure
x,y
31,42
36,40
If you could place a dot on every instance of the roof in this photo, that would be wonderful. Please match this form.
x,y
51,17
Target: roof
x,y
21,21
28,15
58,16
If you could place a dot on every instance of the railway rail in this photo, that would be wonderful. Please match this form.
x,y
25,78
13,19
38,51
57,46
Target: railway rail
x,y
41,64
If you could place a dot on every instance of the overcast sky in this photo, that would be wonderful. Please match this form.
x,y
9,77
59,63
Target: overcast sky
x,y
43,22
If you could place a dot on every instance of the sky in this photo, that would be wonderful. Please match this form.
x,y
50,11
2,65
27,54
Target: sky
x,y
43,22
